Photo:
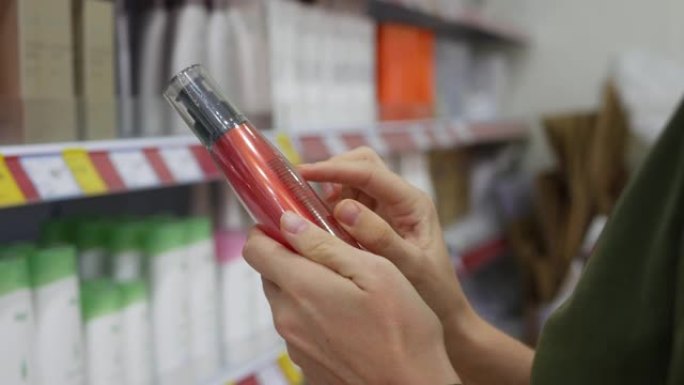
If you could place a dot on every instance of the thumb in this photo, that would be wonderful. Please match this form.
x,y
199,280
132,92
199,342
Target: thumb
x,y
372,232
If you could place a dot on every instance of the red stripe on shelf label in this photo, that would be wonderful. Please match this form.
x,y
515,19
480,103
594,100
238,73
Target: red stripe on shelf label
x,y
314,148
134,168
354,140
204,159
107,171
399,141
494,130
158,165
251,380
22,179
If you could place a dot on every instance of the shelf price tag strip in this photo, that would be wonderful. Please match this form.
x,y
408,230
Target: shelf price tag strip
x,y
293,375
287,147
134,169
463,133
335,144
10,193
420,137
84,171
377,143
272,375
155,160
442,135
182,164
205,162
106,170
51,176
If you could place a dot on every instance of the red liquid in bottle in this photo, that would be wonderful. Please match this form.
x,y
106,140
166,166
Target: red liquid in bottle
x,y
268,185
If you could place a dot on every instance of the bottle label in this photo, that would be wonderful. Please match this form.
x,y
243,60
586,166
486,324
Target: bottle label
x,y
16,334
59,343
103,348
137,354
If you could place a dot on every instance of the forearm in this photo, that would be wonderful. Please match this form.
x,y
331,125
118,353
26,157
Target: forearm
x,y
483,355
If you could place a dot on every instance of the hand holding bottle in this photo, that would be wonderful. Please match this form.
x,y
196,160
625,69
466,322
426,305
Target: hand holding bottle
x,y
390,217
348,316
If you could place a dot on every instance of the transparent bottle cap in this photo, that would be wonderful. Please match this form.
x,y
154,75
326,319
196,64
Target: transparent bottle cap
x,y
195,95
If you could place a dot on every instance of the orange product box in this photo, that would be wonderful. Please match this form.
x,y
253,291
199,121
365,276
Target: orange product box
x,y
406,66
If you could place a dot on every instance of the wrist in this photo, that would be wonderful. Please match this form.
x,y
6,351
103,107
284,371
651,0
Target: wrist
x,y
437,372
461,323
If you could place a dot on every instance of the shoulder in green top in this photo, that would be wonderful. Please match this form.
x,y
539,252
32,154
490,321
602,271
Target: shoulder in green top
x,y
625,322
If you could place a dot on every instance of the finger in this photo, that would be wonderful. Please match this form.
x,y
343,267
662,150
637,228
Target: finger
x,y
372,232
332,191
378,182
272,260
295,275
320,246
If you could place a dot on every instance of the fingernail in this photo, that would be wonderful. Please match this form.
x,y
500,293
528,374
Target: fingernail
x,y
328,189
292,223
348,213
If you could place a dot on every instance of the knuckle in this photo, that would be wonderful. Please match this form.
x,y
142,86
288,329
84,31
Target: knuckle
x,y
383,237
284,325
380,267
295,356
368,154
320,248
365,152
248,249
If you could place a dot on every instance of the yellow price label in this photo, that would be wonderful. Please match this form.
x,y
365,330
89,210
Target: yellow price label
x,y
10,194
84,171
288,149
291,372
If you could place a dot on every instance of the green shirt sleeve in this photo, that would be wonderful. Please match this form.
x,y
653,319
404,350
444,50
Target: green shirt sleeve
x,y
625,322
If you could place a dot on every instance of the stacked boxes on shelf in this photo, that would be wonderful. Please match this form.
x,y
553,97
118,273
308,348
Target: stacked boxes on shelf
x,y
286,64
36,72
93,27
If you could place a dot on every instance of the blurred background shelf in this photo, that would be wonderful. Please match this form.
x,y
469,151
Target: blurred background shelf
x,y
469,24
58,171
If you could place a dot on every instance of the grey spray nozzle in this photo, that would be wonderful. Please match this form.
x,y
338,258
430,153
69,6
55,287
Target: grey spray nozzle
x,y
197,99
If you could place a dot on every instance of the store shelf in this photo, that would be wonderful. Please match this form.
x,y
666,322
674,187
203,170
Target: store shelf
x,y
473,25
235,373
52,172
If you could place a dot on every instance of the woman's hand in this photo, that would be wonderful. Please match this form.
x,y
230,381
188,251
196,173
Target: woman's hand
x,y
349,316
391,218
394,219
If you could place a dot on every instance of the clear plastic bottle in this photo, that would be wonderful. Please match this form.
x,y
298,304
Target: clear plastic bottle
x,y
266,183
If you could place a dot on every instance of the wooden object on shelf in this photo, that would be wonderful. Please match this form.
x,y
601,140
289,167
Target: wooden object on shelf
x,y
94,74
608,174
450,174
36,72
